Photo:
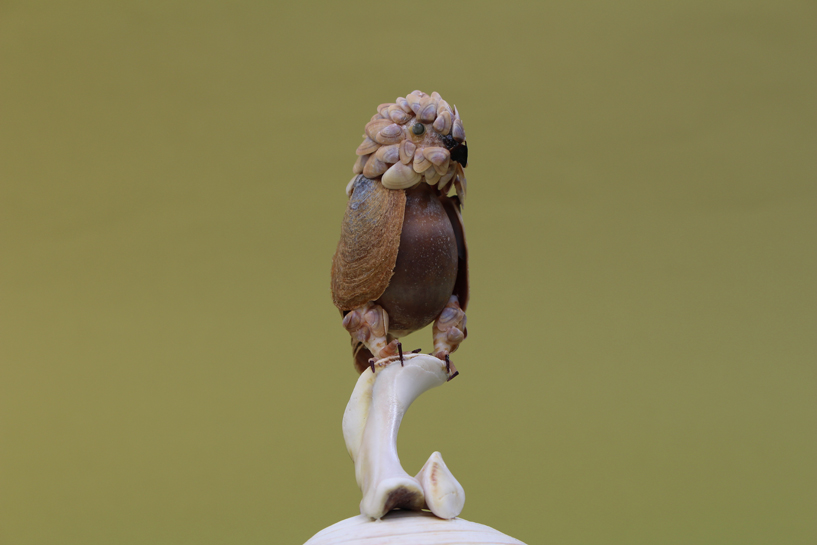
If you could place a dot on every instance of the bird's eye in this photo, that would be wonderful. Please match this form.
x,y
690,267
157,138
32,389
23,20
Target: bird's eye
x,y
418,129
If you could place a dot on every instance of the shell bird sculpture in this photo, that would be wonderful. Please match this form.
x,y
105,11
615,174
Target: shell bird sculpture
x,y
402,259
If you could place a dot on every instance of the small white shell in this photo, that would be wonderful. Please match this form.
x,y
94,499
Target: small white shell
x,y
431,176
399,176
407,148
413,100
404,105
443,122
367,147
457,131
421,164
427,110
388,154
361,161
443,493
383,108
452,169
390,134
374,127
397,115
439,157
443,106
460,184
374,168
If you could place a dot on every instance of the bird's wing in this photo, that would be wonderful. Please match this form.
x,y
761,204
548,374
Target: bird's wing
x,y
452,207
370,237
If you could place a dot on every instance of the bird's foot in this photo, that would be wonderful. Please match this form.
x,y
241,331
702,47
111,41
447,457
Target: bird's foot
x,y
369,324
449,328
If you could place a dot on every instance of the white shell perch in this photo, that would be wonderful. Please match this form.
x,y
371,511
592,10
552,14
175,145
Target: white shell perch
x,y
370,425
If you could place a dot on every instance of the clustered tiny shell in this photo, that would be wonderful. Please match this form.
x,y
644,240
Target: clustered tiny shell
x,y
400,156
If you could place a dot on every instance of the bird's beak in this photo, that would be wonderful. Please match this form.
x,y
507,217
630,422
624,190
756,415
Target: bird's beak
x,y
458,151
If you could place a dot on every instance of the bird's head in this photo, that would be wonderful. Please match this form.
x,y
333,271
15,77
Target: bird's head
x,y
419,138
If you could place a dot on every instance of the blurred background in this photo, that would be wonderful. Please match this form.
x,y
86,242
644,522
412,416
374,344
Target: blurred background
x,y
641,360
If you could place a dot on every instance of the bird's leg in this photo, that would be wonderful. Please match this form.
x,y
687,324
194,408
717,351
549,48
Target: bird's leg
x,y
449,332
369,324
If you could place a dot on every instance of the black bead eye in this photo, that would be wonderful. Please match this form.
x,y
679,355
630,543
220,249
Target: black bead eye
x,y
418,129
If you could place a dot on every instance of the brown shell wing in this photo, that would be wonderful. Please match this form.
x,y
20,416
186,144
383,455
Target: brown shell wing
x,y
369,240
452,207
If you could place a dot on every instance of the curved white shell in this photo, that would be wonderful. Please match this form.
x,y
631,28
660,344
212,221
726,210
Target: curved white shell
x,y
370,425
400,176
410,527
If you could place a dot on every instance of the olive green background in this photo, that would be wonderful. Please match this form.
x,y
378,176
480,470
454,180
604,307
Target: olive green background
x,y
641,359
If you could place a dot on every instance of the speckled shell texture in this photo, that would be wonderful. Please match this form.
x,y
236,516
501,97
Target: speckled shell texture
x,y
405,143
410,528
370,234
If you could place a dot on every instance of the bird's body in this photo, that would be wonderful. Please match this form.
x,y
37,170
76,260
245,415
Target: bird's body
x,y
402,260
426,268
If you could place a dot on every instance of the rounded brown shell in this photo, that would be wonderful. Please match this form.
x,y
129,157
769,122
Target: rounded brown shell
x,y
426,269
370,237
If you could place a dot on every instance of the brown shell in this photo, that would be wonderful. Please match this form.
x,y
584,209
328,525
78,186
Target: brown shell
x,y
370,238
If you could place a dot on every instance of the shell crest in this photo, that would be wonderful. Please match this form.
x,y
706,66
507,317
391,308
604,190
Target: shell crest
x,y
424,140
